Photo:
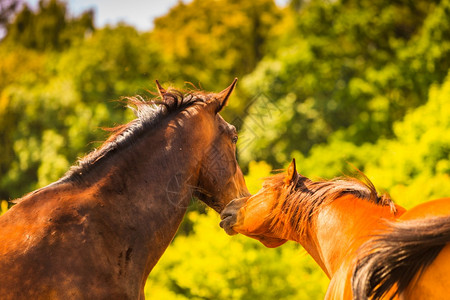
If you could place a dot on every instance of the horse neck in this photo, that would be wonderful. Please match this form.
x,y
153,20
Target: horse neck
x,y
338,229
147,188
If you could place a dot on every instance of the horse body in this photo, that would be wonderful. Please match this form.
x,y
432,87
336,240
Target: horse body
x,y
98,231
321,216
411,258
433,283
333,221
45,254
107,223
333,242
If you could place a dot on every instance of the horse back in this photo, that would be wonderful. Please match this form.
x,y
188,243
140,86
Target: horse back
x,y
434,281
48,248
412,258
434,208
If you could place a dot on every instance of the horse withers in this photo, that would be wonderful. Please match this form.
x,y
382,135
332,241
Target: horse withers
x,y
353,234
98,231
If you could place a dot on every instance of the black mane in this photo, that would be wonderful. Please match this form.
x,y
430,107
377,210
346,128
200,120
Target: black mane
x,y
149,113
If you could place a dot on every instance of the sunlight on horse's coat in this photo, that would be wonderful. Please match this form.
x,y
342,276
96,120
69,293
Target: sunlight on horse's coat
x,y
98,231
332,219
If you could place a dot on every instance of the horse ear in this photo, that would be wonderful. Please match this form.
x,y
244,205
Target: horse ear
x,y
161,90
292,175
223,96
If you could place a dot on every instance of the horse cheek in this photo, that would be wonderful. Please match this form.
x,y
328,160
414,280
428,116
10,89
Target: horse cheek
x,y
255,218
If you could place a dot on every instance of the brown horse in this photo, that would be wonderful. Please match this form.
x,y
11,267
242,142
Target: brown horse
x,y
332,219
97,232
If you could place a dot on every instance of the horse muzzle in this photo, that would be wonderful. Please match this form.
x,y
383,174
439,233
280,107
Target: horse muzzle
x,y
229,215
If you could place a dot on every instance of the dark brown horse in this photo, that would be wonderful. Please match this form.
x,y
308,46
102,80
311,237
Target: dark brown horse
x,y
97,232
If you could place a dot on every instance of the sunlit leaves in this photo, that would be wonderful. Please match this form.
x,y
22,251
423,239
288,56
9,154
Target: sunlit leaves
x,y
216,266
363,64
206,43
48,28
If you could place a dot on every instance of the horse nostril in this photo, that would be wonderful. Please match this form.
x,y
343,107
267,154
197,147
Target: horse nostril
x,y
226,224
221,224
225,215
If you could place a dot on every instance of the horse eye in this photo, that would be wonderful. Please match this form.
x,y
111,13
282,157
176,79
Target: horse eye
x,y
234,139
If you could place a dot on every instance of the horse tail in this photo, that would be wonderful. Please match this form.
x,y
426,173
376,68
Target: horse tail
x,y
390,261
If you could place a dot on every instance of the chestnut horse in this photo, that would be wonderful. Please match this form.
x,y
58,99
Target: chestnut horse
x,y
332,219
98,231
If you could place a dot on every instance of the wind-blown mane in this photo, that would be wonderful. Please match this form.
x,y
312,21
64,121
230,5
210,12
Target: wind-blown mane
x,y
300,200
148,113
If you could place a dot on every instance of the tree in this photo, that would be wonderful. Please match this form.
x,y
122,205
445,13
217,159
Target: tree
x,y
352,67
227,41
7,9
51,109
49,28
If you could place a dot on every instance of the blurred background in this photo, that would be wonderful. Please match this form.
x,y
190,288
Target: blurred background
x,y
364,82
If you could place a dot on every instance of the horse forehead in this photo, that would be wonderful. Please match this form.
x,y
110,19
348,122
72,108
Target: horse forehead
x,y
265,194
224,125
220,119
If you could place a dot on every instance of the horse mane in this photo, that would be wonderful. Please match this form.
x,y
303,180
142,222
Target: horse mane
x,y
390,261
149,114
299,201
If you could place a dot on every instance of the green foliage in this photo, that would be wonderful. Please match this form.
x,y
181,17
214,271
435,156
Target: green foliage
x,y
354,67
20,65
128,63
208,44
3,207
414,166
216,266
257,171
229,38
37,146
50,28
419,157
7,10
77,92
